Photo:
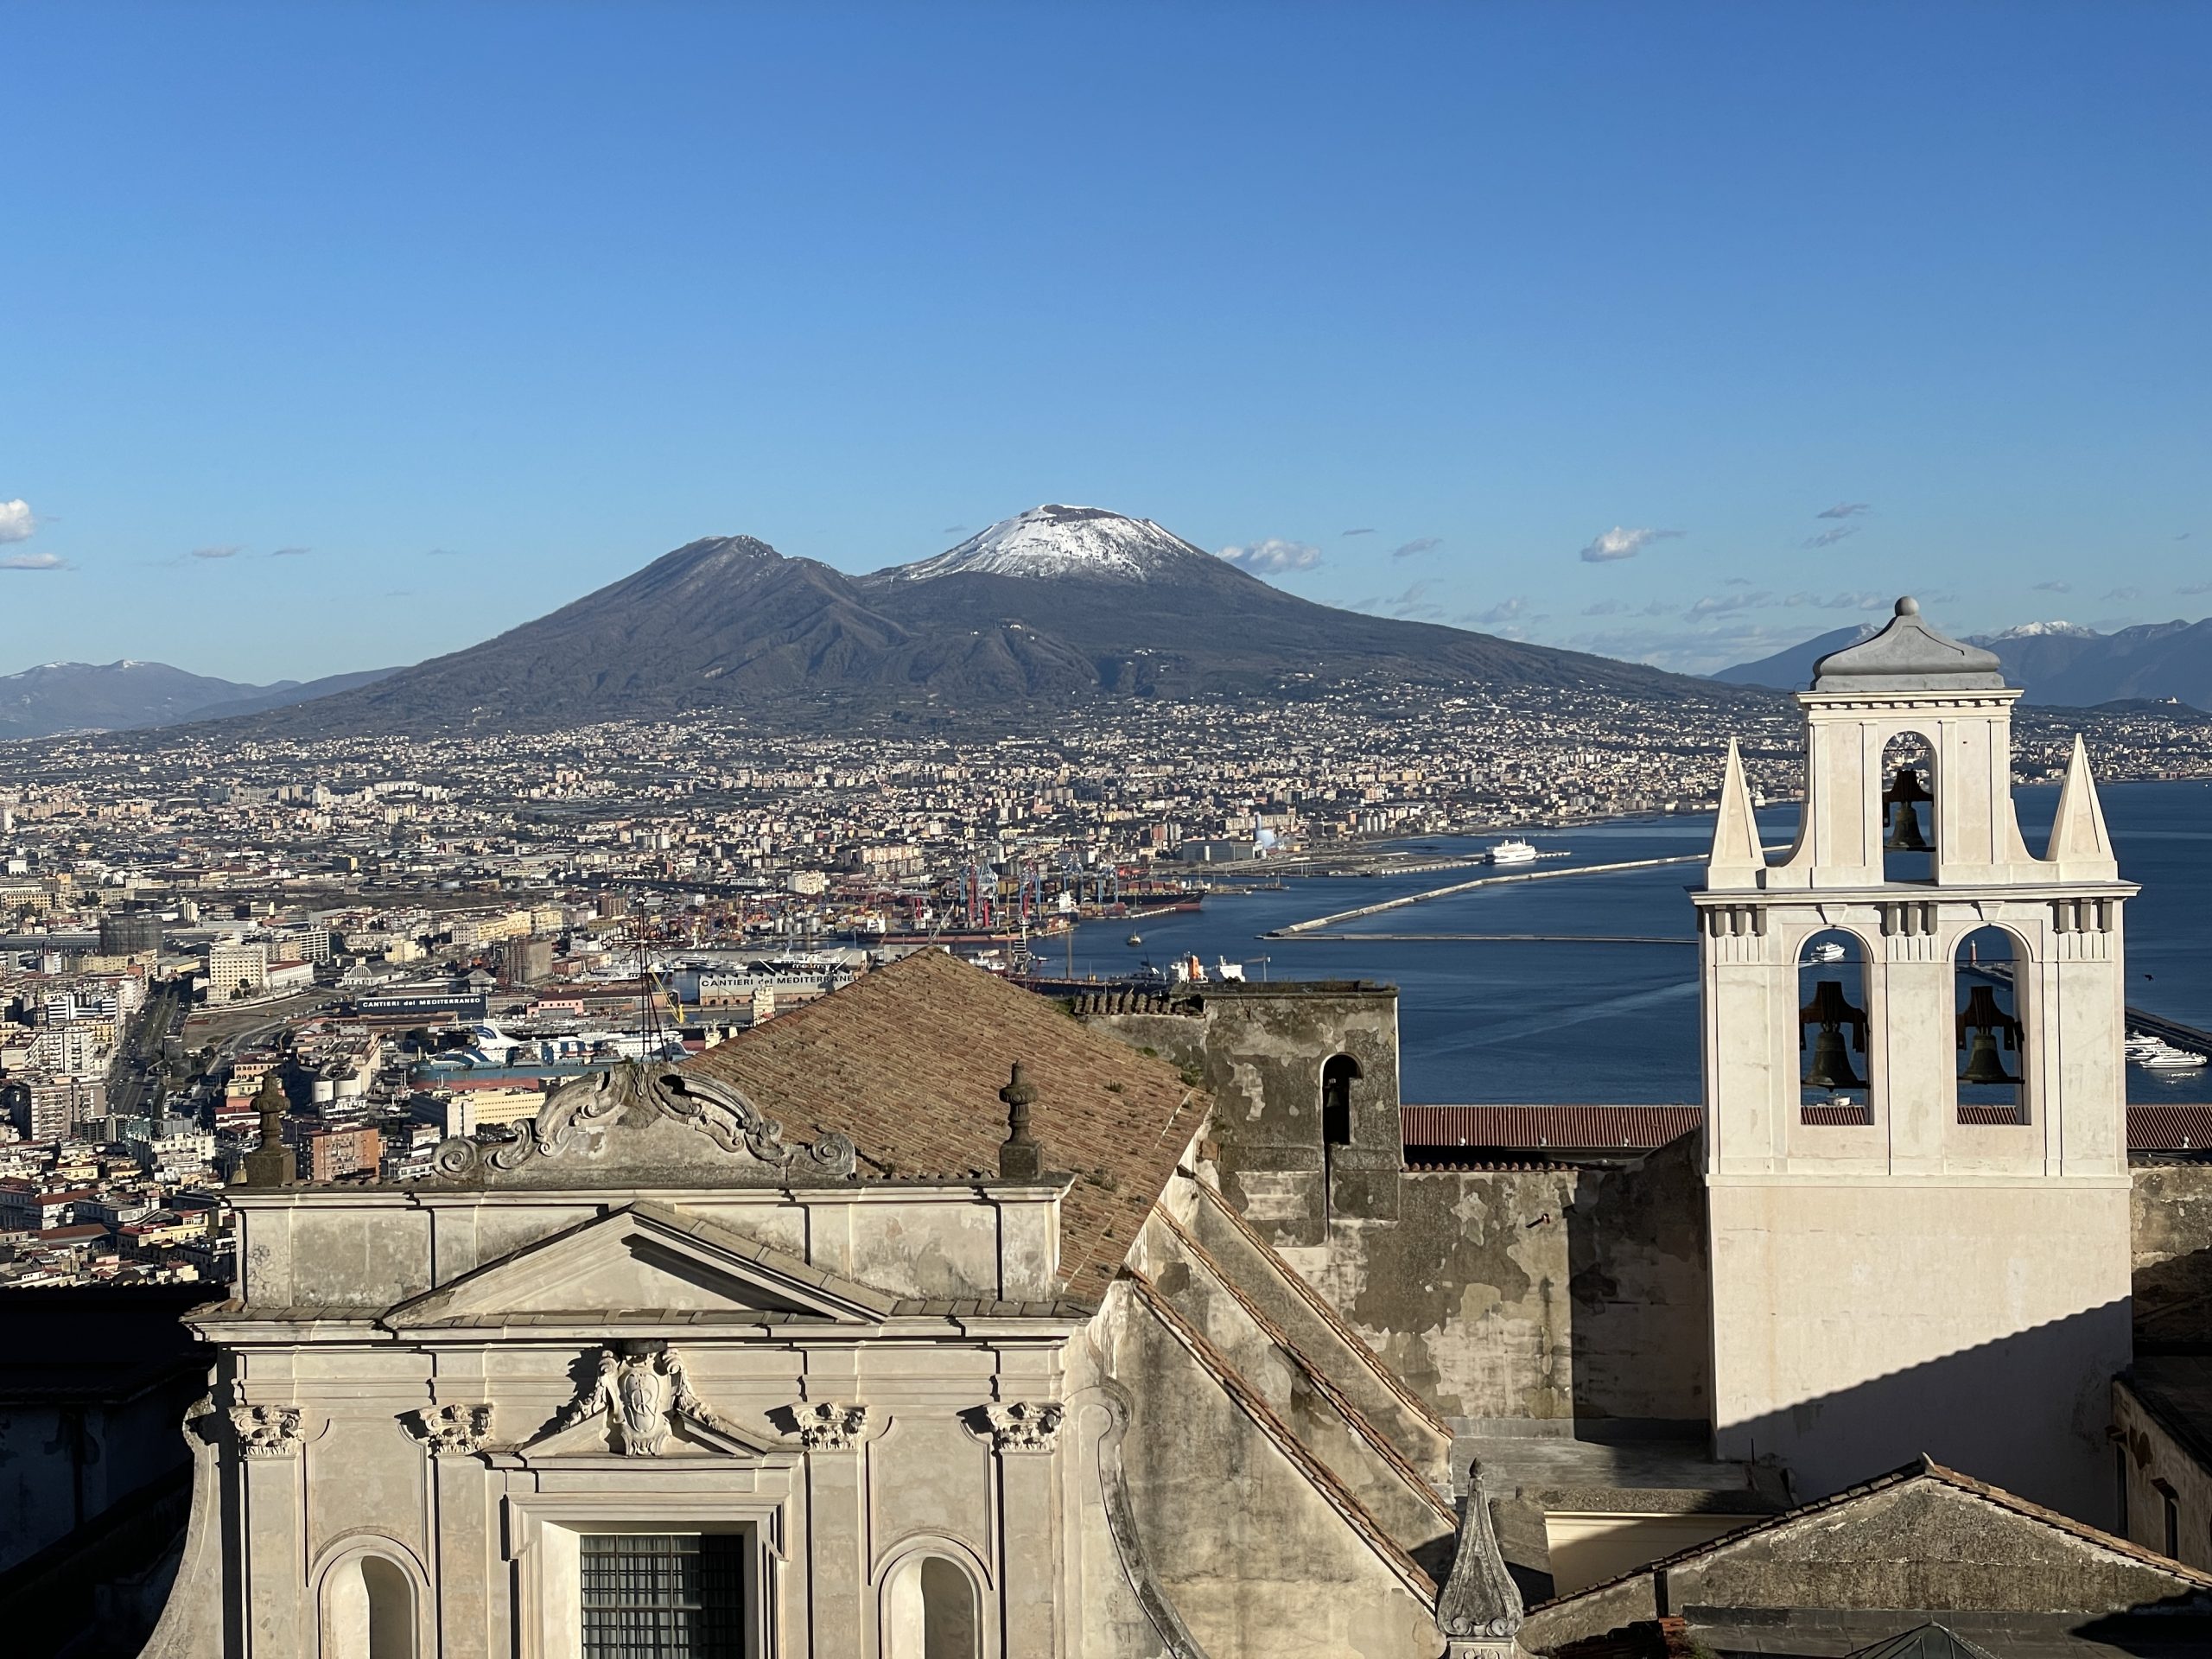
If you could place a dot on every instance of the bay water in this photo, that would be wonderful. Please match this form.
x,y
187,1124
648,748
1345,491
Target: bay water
x,y
1578,1016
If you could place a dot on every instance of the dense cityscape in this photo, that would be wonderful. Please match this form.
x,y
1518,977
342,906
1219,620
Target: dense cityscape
x,y
410,944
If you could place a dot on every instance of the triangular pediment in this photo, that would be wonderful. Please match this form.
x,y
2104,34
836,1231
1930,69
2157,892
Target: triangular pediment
x,y
686,1438
643,1259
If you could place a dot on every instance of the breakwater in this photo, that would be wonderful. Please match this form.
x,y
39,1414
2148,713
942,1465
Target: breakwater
x,y
1318,924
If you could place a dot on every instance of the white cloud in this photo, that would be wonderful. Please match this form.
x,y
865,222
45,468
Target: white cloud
x,y
1621,543
1830,538
1604,607
2196,588
15,521
1275,556
227,550
2054,586
34,562
1364,530
1506,610
1420,545
290,552
1843,510
2124,593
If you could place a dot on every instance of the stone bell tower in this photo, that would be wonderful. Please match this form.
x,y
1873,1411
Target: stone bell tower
x,y
1898,1265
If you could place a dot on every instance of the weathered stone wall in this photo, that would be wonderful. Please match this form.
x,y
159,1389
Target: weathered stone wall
x,y
1550,1293
1259,1051
1535,1293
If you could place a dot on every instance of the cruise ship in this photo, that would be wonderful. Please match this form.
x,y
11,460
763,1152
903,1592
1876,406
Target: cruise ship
x,y
1513,851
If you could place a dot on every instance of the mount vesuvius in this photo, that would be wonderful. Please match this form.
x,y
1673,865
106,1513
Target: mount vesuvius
x,y
1053,607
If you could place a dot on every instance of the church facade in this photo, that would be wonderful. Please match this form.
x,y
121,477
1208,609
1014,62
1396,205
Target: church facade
x,y
940,1320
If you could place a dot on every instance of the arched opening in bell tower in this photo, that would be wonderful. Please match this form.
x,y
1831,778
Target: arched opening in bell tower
x,y
1908,829
1991,1039
1832,1080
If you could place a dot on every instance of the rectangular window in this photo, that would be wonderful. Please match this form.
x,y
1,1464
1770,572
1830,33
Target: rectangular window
x,y
662,1595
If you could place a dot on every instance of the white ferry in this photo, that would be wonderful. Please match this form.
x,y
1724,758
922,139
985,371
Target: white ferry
x,y
1512,852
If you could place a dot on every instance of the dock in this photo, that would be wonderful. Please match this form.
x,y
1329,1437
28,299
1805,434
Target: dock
x,y
1317,925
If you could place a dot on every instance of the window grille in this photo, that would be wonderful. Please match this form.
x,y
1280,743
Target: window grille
x,y
663,1595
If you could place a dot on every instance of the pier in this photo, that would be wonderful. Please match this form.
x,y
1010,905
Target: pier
x,y
1319,923
2192,1038
1506,938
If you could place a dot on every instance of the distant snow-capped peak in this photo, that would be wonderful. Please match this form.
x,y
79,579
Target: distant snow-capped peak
x,y
2038,629
1061,541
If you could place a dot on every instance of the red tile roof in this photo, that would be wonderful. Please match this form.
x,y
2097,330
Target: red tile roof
x,y
1534,1127
1531,1129
908,1061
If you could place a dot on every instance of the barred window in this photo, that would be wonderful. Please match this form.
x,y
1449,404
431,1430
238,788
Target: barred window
x,y
663,1595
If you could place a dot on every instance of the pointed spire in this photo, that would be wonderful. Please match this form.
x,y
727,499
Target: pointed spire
x,y
1736,857
1478,1611
2079,844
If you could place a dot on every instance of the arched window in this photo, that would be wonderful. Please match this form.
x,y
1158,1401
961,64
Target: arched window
x,y
368,1610
1337,1077
930,1610
1833,1077
1992,1045
1909,826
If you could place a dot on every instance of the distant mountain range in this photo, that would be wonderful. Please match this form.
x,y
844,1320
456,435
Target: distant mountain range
x,y
1054,608
57,697
2056,662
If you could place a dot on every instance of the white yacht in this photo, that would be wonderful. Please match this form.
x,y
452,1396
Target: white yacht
x,y
1512,851
1827,951
2168,1058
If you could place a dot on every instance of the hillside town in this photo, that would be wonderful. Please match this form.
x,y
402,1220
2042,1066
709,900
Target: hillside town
x,y
419,945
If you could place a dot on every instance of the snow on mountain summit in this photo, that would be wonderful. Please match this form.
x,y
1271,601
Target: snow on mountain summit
x,y
2040,630
1062,541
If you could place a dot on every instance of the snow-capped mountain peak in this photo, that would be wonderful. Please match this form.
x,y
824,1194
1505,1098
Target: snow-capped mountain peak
x,y
2040,630
1061,541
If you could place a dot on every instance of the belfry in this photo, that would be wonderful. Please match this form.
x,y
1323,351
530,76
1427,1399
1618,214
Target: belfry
x,y
1916,1154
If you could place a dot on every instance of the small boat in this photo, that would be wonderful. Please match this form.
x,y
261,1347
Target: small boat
x,y
1135,939
1513,851
1827,950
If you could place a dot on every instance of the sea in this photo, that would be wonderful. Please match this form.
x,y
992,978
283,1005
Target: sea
x,y
1574,1014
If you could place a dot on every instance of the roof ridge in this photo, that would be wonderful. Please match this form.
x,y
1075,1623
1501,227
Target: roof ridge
x,y
1922,1467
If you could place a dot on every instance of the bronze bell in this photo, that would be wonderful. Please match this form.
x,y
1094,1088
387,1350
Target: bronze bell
x,y
1831,1063
1979,1024
1903,798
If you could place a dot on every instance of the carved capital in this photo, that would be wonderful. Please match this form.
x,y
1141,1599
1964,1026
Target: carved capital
x,y
451,1431
1025,1425
827,1426
266,1431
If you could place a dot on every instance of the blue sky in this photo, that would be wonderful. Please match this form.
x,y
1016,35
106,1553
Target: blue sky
x,y
1439,306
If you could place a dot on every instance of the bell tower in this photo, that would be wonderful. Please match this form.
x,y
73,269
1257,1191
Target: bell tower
x,y
1915,1148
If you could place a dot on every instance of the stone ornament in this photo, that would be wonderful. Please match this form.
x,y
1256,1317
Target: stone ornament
x,y
574,1121
1025,1425
826,1426
267,1430
452,1431
641,1392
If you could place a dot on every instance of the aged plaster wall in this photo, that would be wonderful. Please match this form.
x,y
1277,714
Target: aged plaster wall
x,y
2156,1464
1254,1562
1504,1293
1259,1050
1536,1293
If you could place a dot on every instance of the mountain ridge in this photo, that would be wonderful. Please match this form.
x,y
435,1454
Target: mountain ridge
x,y
2059,664
1054,608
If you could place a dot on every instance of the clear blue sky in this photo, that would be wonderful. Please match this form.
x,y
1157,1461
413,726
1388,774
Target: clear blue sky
x,y
484,305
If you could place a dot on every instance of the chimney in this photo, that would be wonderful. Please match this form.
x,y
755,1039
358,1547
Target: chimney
x,y
1021,1157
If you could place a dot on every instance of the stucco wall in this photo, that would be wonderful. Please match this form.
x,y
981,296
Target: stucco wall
x,y
1541,1293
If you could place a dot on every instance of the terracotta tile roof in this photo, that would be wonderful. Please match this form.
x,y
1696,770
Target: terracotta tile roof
x,y
2149,1129
908,1060
1532,1128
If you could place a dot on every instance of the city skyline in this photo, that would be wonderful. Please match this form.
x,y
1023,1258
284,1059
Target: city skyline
x,y
367,372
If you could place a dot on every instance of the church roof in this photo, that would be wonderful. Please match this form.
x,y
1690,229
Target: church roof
x,y
908,1061
1909,655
